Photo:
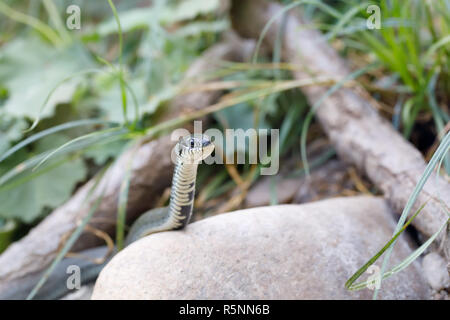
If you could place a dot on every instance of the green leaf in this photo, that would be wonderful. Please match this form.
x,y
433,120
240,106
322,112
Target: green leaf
x,y
4,143
31,69
26,201
142,17
101,153
110,97
7,229
200,27
164,95
189,9
11,129
46,132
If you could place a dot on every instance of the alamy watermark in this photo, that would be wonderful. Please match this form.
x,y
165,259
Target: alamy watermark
x,y
374,20
237,143
73,21
74,280
374,280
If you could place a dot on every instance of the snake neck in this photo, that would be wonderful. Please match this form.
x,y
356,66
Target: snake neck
x,y
182,194
178,213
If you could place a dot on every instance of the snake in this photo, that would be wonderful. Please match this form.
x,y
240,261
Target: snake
x,y
187,154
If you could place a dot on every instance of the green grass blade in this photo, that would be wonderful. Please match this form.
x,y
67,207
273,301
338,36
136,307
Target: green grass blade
x,y
133,95
320,160
345,18
439,153
402,265
73,237
49,131
436,46
211,186
122,81
273,191
31,21
372,260
103,134
27,164
122,203
328,9
19,181
44,104
317,104
437,116
227,103
53,13
437,177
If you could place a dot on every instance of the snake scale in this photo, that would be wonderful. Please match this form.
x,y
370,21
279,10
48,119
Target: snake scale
x,y
188,152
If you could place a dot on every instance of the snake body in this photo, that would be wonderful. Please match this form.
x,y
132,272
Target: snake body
x,y
188,152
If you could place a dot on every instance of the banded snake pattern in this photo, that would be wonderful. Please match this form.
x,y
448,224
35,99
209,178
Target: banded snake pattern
x,y
188,153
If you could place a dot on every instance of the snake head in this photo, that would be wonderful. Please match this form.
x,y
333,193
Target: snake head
x,y
195,147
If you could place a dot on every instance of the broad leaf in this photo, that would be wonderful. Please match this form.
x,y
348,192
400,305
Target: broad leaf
x,y
11,129
26,201
31,69
143,17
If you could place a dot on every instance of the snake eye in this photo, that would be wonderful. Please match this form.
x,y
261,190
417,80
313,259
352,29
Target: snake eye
x,y
192,143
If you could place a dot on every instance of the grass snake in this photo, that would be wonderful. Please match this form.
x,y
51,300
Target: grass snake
x,y
187,154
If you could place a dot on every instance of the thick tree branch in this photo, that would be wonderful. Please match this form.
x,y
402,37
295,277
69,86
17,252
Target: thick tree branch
x,y
349,117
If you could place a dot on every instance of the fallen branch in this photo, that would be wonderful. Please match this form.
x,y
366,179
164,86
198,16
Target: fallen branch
x,y
349,117
151,174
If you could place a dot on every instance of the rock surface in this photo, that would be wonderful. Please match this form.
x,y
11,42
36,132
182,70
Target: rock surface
x,y
435,271
280,252
327,181
84,293
261,193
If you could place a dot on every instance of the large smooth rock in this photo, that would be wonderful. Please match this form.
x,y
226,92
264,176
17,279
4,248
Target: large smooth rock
x,y
280,252
84,293
435,271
